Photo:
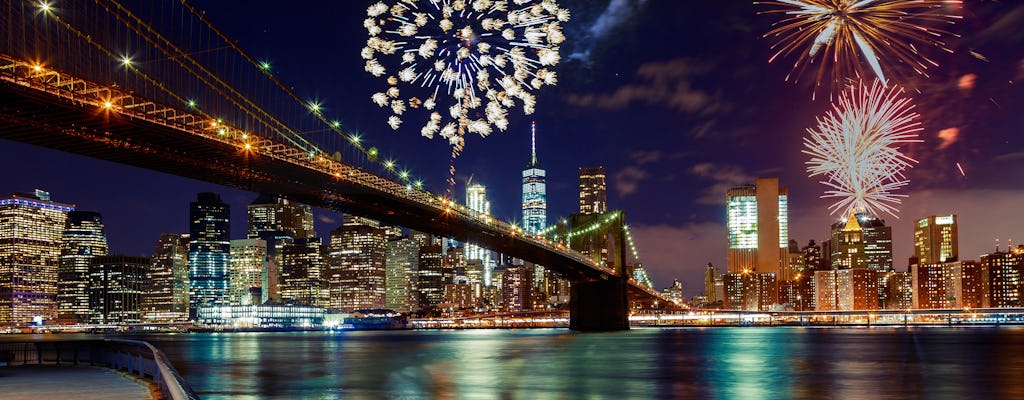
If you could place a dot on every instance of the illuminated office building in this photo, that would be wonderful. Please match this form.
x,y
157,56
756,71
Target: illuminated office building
x,y
517,287
758,227
848,244
430,277
356,261
535,202
593,193
935,239
166,284
248,264
82,240
115,289
31,226
209,252
401,258
303,280
476,201
269,215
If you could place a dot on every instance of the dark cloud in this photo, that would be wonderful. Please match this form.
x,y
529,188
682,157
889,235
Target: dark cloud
x,y
723,177
617,13
627,181
666,84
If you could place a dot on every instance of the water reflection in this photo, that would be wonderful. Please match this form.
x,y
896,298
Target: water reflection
x,y
719,363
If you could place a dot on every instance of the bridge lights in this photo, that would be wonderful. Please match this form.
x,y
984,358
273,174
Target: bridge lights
x,y
419,184
336,124
390,165
191,103
107,105
126,61
248,146
37,68
314,107
45,6
265,65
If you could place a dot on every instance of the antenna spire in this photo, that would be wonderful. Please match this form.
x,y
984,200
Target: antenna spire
x,y
533,143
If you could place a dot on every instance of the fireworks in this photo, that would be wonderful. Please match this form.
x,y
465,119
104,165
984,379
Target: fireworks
x,y
856,148
464,63
837,34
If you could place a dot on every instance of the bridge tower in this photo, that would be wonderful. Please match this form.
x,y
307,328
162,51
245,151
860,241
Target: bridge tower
x,y
603,304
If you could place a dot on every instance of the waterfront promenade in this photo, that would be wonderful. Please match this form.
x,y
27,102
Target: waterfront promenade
x,y
35,382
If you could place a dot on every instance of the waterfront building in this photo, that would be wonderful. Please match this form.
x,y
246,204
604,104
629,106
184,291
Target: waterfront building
x,y
459,295
476,202
82,240
901,291
209,251
115,289
935,239
302,274
750,291
262,316
812,257
593,193
517,288
758,227
248,264
356,261
401,258
1005,276
850,289
31,227
795,261
970,285
797,293
535,203
165,286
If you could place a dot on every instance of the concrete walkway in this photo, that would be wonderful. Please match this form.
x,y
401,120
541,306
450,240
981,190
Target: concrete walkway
x,y
35,382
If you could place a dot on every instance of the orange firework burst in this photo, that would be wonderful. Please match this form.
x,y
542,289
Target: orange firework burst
x,y
842,36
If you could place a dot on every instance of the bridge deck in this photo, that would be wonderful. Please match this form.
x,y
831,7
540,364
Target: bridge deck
x,y
35,382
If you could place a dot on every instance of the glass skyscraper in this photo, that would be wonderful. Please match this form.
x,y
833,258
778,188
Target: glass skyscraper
x,y
166,283
476,200
83,239
535,201
356,261
209,250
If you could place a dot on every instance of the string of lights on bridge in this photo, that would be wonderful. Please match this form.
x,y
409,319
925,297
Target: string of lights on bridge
x,y
312,106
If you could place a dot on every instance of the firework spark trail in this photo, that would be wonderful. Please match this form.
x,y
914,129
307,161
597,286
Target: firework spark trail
x,y
843,35
855,148
466,63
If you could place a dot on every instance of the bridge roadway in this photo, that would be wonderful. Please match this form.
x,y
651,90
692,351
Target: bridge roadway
x,y
51,109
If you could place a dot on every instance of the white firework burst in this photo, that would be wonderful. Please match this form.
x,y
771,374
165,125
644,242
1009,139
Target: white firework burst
x,y
471,58
856,148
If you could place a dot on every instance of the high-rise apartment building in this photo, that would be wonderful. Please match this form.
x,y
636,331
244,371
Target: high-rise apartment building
x,y
401,258
476,201
517,287
535,201
166,284
31,227
115,289
846,289
593,193
82,240
209,252
303,275
1005,278
248,265
356,261
758,227
935,239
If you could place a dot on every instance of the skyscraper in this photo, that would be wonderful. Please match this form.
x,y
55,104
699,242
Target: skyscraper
x,y
166,284
593,196
935,239
401,258
209,251
711,276
248,264
476,200
758,227
31,226
276,216
877,243
82,240
535,201
115,289
1005,278
356,261
430,276
303,274
848,244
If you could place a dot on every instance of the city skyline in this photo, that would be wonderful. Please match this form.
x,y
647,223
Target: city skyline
x,y
640,164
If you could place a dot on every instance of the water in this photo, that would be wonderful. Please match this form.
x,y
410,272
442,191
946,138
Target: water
x,y
725,363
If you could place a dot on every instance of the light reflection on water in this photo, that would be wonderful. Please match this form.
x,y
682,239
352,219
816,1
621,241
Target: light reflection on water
x,y
722,363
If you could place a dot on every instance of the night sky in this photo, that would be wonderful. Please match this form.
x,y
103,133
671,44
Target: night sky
x,y
676,99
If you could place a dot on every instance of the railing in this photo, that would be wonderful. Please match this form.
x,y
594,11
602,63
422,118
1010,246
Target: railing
x,y
133,356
